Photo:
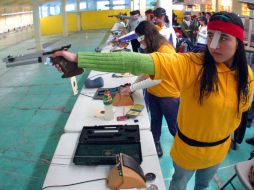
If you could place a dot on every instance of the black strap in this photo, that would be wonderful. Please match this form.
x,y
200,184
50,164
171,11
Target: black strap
x,y
192,142
240,131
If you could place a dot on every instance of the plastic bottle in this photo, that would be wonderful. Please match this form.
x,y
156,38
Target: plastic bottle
x,y
107,101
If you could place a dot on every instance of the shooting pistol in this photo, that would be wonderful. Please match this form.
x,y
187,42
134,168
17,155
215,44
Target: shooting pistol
x,y
120,16
69,69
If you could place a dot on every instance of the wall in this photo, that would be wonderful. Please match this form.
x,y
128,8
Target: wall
x,y
53,24
99,19
15,21
89,20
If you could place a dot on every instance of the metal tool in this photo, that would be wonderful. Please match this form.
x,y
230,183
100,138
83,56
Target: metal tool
x,y
31,58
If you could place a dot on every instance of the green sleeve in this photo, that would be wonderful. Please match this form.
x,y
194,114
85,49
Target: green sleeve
x,y
120,62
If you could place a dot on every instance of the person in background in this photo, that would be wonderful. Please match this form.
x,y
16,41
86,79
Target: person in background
x,y
186,26
133,23
163,25
194,28
122,21
161,99
202,33
174,19
149,15
215,89
208,15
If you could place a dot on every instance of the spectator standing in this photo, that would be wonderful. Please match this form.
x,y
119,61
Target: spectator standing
x,y
133,23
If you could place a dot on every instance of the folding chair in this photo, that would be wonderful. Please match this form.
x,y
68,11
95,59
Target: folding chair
x,y
242,170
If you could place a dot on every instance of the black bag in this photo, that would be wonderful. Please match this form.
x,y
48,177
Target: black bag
x,y
240,131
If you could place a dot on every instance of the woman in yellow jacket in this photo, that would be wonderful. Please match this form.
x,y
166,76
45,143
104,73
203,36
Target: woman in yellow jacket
x,y
162,99
215,89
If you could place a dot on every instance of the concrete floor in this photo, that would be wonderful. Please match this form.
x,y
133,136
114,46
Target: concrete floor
x,y
35,103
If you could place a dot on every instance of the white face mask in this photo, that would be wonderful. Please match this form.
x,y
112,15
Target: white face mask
x,y
142,46
141,38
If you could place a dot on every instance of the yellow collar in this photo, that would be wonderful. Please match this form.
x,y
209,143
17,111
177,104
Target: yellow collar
x,y
221,67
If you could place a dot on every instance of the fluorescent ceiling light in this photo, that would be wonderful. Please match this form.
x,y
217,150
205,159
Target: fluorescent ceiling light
x,y
177,7
226,3
16,13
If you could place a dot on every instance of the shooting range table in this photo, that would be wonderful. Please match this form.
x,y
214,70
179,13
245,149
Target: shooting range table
x,y
62,170
108,47
83,112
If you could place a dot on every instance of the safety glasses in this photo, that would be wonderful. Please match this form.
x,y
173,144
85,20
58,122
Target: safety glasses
x,y
141,38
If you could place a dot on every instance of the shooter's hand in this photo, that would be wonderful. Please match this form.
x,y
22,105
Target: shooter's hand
x,y
69,56
66,62
125,90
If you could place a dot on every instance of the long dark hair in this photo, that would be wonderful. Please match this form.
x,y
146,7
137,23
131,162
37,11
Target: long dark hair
x,y
209,76
203,19
153,38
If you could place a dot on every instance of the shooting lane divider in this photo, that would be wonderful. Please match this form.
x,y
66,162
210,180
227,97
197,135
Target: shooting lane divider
x,y
74,85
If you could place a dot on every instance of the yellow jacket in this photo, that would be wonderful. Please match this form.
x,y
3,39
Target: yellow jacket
x,y
165,88
214,120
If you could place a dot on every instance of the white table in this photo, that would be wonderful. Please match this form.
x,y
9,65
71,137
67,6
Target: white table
x,y
83,112
108,45
62,171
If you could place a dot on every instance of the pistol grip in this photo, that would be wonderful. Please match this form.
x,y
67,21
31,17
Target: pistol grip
x,y
69,69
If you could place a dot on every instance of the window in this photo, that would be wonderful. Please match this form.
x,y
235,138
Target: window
x,y
224,5
83,5
57,9
119,4
102,5
150,4
70,7
245,10
52,10
44,11
177,7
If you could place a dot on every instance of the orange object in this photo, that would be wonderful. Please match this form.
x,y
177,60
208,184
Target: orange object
x,y
123,45
126,174
122,100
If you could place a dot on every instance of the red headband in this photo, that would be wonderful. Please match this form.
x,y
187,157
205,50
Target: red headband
x,y
227,27
149,14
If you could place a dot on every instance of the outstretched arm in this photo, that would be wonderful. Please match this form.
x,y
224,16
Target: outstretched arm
x,y
173,67
121,62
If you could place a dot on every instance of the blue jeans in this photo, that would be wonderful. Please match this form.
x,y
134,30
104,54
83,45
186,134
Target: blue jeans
x,y
182,176
159,107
